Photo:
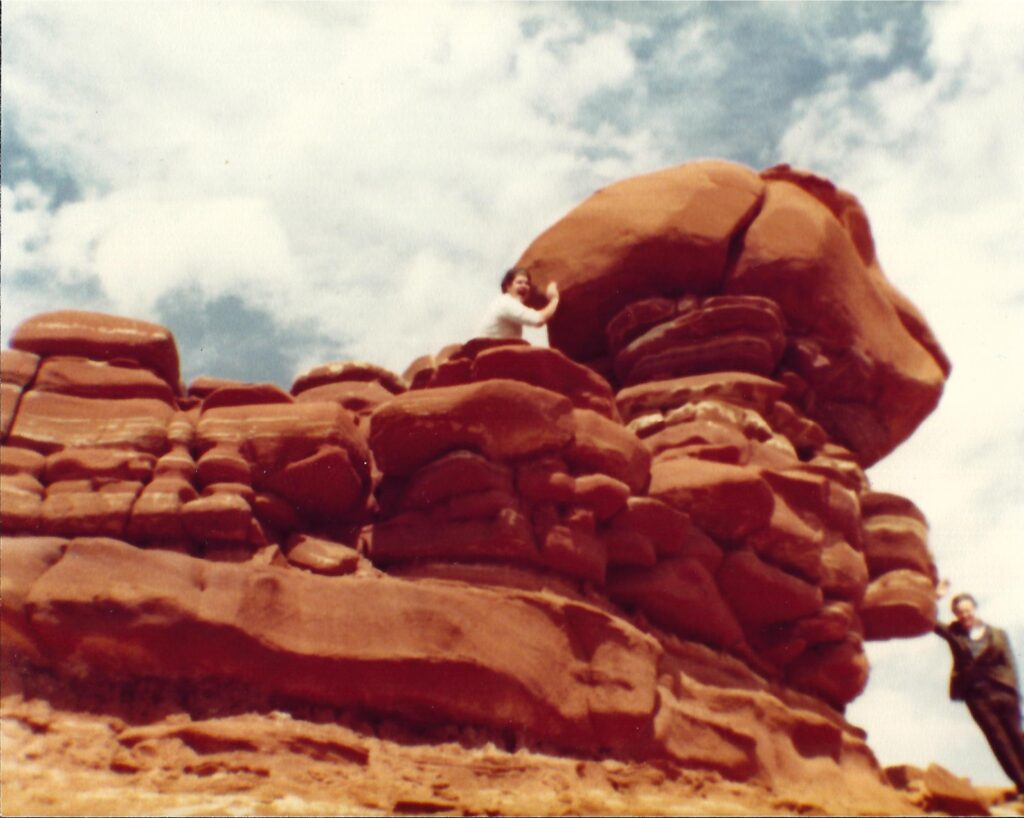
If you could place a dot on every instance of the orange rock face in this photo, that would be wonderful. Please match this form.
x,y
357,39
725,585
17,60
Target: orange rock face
x,y
654,541
637,262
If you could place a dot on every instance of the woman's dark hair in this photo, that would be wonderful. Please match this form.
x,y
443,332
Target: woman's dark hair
x,y
962,598
510,276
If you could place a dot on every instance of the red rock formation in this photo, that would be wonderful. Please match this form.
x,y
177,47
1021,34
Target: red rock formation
x,y
868,366
681,571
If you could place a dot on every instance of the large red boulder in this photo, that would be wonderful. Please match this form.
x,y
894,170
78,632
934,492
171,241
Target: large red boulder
x,y
644,264
668,231
501,419
101,338
872,379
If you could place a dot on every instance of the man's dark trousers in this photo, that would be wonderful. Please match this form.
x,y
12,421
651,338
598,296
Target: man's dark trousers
x,y
997,712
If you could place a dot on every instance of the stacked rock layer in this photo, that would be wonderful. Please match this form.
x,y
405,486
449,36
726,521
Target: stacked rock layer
x,y
655,539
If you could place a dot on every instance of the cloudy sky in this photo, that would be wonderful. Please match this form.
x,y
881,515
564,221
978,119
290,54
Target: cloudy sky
x,y
284,185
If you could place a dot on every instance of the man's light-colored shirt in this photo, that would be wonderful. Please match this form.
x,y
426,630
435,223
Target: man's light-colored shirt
x,y
505,318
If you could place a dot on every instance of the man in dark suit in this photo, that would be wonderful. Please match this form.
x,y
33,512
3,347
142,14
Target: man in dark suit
x,y
985,678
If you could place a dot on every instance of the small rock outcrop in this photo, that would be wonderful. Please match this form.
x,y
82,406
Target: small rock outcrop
x,y
653,542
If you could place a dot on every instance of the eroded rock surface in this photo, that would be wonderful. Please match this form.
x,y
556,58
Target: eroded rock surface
x,y
654,541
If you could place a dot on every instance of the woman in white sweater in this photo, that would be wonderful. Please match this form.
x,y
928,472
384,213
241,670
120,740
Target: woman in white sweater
x,y
508,313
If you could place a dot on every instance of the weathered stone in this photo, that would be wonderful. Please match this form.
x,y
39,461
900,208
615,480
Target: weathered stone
x,y
698,438
831,624
699,739
724,333
99,379
572,548
475,346
898,605
414,536
205,385
761,594
680,595
177,463
848,336
310,453
349,371
322,556
275,511
16,460
629,548
738,388
88,463
156,514
453,372
892,542
635,319
789,542
665,231
361,397
501,419
947,793
545,480
25,560
604,495
667,528
100,337
602,445
21,504
18,368
48,422
881,503
548,369
456,473
844,573
326,484
729,502
10,396
248,394
469,655
223,463
224,516
836,672
84,511
477,505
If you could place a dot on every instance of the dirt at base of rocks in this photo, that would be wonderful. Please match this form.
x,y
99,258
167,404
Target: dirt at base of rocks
x,y
59,762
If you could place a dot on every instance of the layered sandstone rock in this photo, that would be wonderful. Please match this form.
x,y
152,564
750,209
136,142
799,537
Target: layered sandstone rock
x,y
654,540
682,252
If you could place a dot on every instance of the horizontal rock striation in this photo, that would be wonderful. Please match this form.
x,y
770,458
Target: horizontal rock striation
x,y
710,255
654,540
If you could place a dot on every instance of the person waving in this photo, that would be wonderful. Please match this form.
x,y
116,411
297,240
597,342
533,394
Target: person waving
x,y
508,313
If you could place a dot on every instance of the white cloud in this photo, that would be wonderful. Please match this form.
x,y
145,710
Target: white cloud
x,y
287,150
873,44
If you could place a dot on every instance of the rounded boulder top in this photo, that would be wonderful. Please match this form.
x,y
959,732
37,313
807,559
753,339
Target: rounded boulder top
x,y
868,367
